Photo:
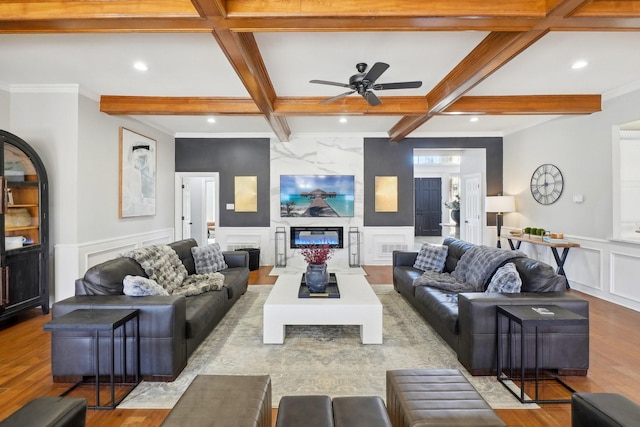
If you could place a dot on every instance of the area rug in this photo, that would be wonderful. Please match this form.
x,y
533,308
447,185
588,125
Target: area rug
x,y
317,359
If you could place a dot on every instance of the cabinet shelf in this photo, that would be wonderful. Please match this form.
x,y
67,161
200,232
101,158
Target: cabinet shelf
x,y
23,205
29,227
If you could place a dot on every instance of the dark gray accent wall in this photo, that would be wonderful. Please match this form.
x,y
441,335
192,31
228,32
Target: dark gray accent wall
x,y
230,157
382,157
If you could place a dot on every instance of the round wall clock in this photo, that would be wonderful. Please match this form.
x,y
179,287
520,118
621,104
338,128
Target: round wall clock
x,y
546,184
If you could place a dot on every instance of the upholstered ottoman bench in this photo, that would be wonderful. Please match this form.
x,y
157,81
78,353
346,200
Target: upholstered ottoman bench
x,y
50,412
321,411
438,397
603,410
224,400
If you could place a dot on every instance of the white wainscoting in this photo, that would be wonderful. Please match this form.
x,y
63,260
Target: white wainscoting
x,y
232,238
607,269
378,243
73,260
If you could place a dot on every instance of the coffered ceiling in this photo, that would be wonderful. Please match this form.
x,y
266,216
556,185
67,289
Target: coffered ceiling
x,y
247,63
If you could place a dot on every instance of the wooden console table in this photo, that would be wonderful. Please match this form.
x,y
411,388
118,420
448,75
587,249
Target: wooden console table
x,y
560,259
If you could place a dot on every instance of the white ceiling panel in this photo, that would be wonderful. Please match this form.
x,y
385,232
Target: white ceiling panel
x,y
186,64
545,67
295,58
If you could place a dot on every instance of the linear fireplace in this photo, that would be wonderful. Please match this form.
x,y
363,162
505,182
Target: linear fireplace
x,y
305,236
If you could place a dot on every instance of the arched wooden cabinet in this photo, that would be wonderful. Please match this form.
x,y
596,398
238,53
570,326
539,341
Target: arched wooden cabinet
x,y
24,227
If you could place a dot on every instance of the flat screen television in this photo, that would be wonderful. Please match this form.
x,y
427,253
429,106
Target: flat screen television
x,y
317,195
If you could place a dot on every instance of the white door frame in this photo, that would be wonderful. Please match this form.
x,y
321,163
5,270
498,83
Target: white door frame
x,y
179,176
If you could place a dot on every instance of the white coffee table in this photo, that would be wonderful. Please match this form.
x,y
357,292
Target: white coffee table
x,y
357,305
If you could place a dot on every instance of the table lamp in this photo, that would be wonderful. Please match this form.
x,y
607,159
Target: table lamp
x,y
500,205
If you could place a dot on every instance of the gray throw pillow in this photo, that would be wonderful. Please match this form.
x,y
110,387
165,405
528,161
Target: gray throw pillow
x,y
138,286
505,280
208,259
431,257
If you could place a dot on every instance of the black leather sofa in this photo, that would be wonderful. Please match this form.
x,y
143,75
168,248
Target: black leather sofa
x,y
171,327
468,323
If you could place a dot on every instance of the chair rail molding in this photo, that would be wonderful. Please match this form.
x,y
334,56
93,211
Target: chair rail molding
x,y
73,260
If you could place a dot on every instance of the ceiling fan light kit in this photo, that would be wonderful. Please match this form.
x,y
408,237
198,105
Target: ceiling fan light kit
x,y
365,83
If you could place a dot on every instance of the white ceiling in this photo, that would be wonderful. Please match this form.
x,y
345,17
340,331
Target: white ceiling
x,y
192,64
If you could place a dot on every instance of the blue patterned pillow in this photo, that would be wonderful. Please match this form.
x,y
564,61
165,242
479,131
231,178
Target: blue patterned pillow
x,y
505,280
431,257
138,286
208,259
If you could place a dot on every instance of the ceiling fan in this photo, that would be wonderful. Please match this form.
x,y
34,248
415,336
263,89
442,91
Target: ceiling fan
x,y
365,83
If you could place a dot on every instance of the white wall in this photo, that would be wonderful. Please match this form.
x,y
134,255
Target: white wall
x,y
98,169
79,147
581,147
4,108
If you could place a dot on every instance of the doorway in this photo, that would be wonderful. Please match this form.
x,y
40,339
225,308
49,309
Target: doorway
x,y
428,212
196,206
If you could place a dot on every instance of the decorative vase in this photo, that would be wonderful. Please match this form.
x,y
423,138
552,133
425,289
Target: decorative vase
x,y
455,216
317,278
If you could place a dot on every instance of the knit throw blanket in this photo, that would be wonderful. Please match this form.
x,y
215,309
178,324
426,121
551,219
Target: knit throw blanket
x,y
472,271
162,264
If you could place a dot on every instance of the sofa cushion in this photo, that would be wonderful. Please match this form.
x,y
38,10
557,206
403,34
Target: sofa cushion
x,y
431,257
106,278
442,305
456,248
208,259
183,249
203,309
138,286
506,280
539,277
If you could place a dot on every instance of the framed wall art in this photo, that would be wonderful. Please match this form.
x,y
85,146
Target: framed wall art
x,y
386,194
246,193
137,174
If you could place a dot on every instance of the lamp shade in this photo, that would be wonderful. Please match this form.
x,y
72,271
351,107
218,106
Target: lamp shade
x,y
500,204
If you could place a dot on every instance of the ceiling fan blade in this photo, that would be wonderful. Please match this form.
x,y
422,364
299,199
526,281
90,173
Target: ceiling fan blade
x,y
372,99
325,82
342,95
376,71
399,85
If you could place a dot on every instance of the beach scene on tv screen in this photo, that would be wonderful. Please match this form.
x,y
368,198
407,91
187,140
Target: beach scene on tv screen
x,y
316,195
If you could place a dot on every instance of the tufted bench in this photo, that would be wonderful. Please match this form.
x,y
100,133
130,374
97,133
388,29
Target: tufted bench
x,y
438,397
603,410
224,400
49,412
321,411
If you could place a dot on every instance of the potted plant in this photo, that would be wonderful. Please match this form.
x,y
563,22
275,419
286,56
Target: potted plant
x,y
317,275
454,205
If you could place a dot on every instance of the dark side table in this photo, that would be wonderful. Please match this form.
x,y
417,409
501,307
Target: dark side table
x,y
529,318
105,322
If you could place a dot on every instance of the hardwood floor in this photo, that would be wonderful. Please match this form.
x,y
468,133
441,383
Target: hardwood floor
x,y
614,361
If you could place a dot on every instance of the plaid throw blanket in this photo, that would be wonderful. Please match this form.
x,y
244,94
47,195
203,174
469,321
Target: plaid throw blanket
x,y
472,272
162,264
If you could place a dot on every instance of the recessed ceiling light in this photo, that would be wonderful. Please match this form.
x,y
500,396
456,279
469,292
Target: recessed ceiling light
x,y
140,66
579,64
473,119
211,120
343,120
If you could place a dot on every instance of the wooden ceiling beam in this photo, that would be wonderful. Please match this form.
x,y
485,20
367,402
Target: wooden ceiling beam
x,y
350,106
210,7
525,105
469,8
64,9
606,8
177,106
493,52
244,56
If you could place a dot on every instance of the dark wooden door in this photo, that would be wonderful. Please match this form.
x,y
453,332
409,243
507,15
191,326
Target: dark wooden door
x,y
428,200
